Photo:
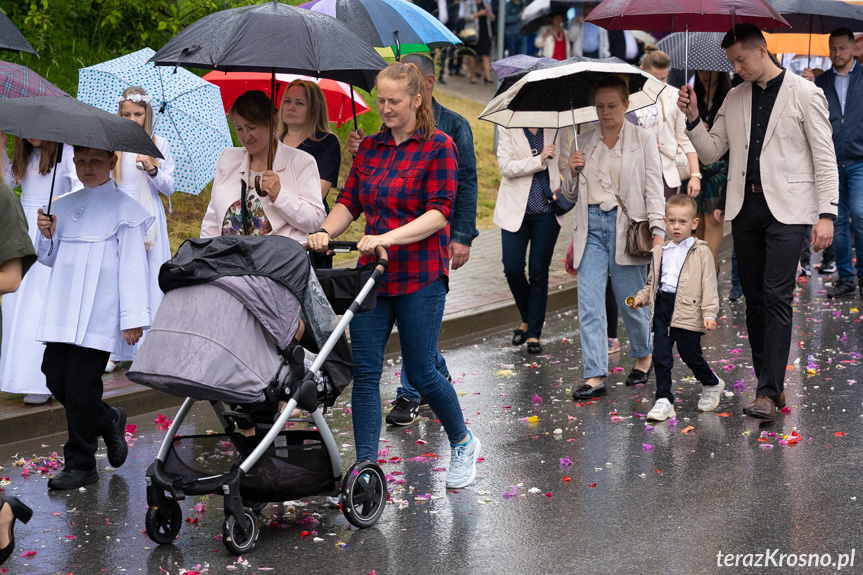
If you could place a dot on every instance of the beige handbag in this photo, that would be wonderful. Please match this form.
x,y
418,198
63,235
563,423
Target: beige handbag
x,y
679,158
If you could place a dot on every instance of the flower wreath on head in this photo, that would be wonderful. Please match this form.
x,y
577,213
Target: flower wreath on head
x,y
137,98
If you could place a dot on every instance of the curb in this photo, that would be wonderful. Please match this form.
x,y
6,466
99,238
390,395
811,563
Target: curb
x,y
31,422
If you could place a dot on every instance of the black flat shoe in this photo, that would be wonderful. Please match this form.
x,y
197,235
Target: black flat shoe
x,y
20,512
587,392
534,347
519,336
637,377
72,479
115,439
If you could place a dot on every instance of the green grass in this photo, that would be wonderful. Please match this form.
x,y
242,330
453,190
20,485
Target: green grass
x,y
185,220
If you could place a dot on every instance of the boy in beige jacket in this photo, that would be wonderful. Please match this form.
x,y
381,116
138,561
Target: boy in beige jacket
x,y
681,290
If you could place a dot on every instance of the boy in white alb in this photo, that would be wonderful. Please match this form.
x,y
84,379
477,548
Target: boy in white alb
x,y
681,290
96,304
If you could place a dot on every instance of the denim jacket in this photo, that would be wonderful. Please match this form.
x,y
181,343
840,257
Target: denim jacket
x,y
463,222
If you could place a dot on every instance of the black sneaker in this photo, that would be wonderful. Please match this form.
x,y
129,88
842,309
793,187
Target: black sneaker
x,y
404,412
735,294
827,267
805,271
842,288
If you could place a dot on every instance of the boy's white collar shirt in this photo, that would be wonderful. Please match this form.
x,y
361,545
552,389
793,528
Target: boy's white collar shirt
x,y
673,257
99,275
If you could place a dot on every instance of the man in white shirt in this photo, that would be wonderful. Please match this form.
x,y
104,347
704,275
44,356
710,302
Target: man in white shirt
x,y
96,304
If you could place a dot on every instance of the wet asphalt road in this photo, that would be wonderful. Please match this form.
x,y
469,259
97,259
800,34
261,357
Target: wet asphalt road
x,y
634,499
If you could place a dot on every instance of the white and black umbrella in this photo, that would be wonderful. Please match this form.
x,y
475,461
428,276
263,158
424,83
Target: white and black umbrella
x,y
561,95
705,51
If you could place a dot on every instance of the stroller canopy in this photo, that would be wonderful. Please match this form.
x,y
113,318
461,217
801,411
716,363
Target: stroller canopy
x,y
202,260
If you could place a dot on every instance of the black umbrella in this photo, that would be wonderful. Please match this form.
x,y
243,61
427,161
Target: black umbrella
x,y
818,16
275,38
65,119
11,38
705,51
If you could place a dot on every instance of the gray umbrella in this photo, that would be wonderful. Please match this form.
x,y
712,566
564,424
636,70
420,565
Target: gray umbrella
x,y
65,119
705,51
818,16
275,38
11,38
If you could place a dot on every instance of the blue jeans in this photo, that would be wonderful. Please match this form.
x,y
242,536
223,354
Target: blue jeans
x,y
515,44
540,231
419,315
596,268
735,276
408,391
849,221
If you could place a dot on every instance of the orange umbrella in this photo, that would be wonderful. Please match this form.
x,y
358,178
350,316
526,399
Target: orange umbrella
x,y
798,44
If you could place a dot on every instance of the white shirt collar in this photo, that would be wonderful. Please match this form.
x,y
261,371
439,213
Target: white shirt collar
x,y
686,244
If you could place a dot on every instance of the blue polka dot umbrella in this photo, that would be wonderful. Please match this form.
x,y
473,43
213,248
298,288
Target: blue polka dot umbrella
x,y
187,110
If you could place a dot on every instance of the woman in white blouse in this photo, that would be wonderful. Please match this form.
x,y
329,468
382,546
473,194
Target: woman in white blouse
x,y
619,162
668,124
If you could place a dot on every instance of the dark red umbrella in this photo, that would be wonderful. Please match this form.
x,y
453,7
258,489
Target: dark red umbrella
x,y
685,16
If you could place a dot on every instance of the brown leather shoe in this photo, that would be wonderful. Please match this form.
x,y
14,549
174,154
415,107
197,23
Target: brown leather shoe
x,y
779,405
762,408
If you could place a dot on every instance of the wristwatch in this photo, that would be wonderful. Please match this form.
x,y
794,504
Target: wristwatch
x,y
698,175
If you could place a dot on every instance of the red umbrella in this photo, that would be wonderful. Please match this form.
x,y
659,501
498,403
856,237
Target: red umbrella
x,y
685,16
337,94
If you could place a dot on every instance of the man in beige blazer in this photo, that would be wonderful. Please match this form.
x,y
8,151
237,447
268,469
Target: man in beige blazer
x,y
782,177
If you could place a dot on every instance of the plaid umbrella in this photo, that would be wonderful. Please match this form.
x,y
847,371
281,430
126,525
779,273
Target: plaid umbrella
x,y
20,82
187,111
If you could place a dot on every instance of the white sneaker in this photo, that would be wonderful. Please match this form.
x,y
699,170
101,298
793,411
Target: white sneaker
x,y
710,397
112,365
462,463
36,398
661,411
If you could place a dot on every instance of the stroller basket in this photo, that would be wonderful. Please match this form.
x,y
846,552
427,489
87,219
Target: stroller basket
x,y
341,287
296,464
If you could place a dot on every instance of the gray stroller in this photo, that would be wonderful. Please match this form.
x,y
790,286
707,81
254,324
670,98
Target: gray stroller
x,y
225,333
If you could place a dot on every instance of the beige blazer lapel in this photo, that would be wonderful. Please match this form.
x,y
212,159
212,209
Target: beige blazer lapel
x,y
629,149
746,95
781,100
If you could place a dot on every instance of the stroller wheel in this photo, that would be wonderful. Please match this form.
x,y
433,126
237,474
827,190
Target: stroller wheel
x,y
364,494
232,535
163,523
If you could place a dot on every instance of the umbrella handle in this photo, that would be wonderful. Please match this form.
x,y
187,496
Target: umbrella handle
x,y
54,177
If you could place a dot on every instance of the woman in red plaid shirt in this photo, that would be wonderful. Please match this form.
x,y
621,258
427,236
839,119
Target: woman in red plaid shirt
x,y
404,180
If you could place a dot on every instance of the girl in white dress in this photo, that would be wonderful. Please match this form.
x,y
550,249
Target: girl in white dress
x,y
144,178
31,167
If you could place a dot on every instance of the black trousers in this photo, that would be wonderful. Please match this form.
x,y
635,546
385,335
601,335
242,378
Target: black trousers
x,y
688,346
767,255
74,377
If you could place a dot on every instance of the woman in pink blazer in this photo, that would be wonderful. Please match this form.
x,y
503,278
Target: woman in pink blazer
x,y
530,161
289,203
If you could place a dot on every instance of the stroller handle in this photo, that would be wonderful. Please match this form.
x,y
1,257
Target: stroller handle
x,y
344,247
